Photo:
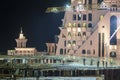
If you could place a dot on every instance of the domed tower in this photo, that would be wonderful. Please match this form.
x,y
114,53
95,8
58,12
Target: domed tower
x,y
21,41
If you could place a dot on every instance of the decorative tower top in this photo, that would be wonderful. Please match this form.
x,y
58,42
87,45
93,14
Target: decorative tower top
x,y
21,41
21,36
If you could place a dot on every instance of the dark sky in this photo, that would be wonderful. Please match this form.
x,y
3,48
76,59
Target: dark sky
x,y
39,27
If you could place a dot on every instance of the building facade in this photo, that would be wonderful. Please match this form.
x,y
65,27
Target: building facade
x,y
21,48
90,28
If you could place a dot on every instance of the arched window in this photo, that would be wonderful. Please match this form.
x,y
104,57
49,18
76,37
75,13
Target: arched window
x,y
69,43
112,54
74,24
90,25
61,51
113,27
84,33
74,43
84,25
79,34
69,34
83,51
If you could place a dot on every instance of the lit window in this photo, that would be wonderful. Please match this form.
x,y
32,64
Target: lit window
x,y
74,24
68,29
69,43
74,29
74,43
79,29
84,25
69,24
101,17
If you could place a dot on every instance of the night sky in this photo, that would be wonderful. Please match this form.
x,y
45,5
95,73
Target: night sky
x,y
39,27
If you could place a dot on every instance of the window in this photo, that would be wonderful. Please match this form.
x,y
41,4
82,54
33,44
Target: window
x,y
79,16
65,51
63,36
112,54
68,50
74,43
84,17
91,42
103,26
79,25
83,51
65,43
69,43
90,17
84,25
101,17
90,25
84,33
74,24
74,9
69,24
79,34
94,52
69,34
74,16
88,52
61,51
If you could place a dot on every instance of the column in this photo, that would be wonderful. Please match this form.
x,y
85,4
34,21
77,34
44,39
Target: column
x,y
41,72
71,74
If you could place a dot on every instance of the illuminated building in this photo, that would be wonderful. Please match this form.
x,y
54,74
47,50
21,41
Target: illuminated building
x,y
87,28
84,47
21,48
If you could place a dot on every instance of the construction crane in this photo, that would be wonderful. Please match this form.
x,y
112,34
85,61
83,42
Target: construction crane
x,y
69,7
57,9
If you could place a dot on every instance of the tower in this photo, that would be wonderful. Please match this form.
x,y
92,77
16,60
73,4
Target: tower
x,y
21,41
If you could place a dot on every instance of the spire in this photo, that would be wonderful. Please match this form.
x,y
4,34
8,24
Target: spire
x,y
21,35
21,32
